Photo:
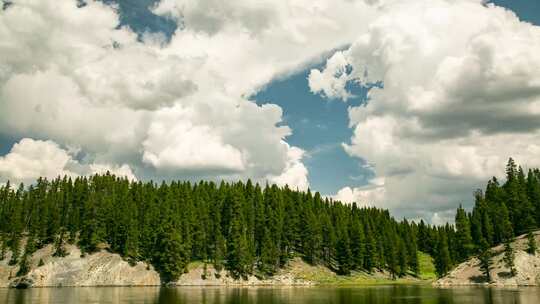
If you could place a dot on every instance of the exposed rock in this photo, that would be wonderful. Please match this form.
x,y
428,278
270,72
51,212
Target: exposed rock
x,y
98,269
197,276
108,269
527,267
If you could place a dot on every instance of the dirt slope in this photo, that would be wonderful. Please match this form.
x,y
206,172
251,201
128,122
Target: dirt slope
x,y
527,267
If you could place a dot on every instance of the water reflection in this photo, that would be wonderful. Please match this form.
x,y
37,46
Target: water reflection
x,y
275,295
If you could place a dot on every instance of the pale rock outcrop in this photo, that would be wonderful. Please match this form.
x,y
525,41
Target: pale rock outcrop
x,y
98,269
527,267
104,268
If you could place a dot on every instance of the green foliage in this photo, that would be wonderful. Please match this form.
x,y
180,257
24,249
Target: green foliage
x,y
463,235
344,256
486,263
509,257
24,266
531,243
171,256
443,263
426,266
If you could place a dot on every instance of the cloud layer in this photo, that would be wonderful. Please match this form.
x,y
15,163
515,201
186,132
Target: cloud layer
x,y
460,94
168,108
30,158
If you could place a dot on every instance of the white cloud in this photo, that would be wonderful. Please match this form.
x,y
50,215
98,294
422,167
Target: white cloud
x,y
30,159
333,79
174,143
368,195
70,75
295,174
461,94
458,76
121,171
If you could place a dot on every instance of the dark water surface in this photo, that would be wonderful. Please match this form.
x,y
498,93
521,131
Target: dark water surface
x,y
271,295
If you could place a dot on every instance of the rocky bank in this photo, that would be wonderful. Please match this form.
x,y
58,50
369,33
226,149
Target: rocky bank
x,y
108,269
526,265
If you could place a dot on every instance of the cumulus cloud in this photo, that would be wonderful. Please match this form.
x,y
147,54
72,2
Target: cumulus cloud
x,y
30,159
295,174
176,144
460,94
374,191
177,109
332,81
457,77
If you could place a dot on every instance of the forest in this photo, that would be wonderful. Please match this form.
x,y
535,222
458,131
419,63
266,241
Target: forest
x,y
248,229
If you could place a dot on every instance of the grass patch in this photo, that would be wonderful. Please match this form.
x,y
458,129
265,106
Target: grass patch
x,y
194,265
427,268
324,276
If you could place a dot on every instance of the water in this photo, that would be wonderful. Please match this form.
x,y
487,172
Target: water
x,y
271,295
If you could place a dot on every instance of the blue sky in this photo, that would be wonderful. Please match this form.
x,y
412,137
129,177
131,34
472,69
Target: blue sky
x,y
177,108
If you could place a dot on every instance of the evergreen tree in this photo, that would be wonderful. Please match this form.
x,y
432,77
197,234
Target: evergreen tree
x,y
442,259
219,253
344,255
357,244
463,235
59,250
509,257
531,243
485,259
171,256
269,261
237,249
370,259
403,258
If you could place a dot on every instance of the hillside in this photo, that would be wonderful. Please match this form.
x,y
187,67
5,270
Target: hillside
x,y
103,268
526,265
241,227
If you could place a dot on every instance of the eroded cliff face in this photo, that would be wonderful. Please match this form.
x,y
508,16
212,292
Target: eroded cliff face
x,y
526,265
108,269
99,269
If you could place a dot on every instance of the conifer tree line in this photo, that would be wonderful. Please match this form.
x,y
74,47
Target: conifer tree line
x,y
248,229
240,227
500,213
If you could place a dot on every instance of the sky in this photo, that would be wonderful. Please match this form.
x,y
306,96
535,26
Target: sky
x,y
408,106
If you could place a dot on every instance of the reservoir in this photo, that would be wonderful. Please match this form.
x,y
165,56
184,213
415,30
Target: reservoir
x,y
396,294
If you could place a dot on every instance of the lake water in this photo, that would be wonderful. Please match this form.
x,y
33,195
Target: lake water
x,y
271,295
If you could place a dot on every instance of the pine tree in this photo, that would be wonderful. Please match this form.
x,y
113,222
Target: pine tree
x,y
357,244
403,258
237,249
485,259
463,235
509,257
370,259
344,255
269,261
531,243
171,256
442,259
15,249
219,253
59,250
24,266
